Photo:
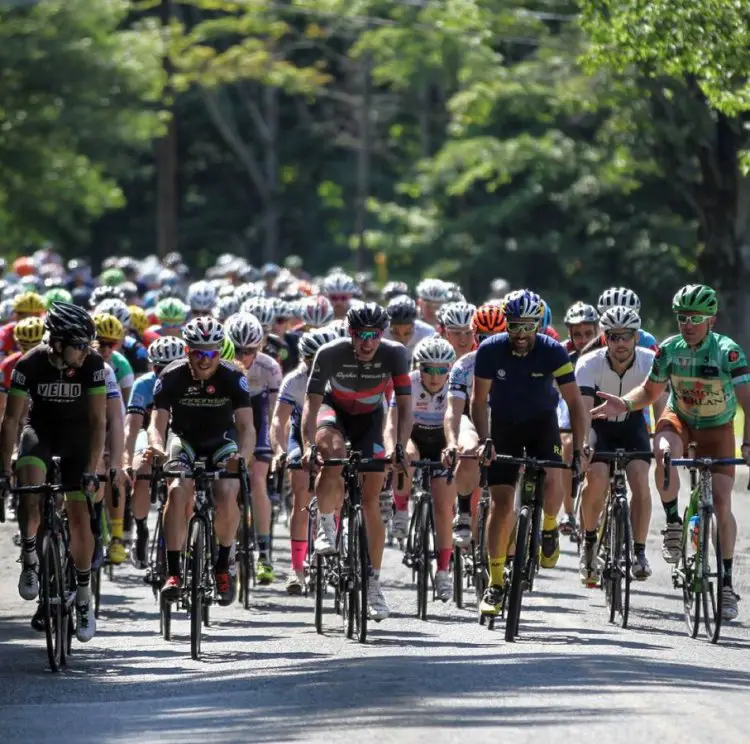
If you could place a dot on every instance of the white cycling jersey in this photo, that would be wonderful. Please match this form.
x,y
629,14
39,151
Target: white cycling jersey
x,y
264,375
461,378
422,330
594,373
113,389
428,409
293,387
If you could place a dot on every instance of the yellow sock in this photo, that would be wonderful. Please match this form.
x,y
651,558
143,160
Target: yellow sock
x,y
549,523
115,528
497,570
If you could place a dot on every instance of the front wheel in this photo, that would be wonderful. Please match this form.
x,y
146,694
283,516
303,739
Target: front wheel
x,y
621,546
458,577
712,578
196,559
53,600
516,582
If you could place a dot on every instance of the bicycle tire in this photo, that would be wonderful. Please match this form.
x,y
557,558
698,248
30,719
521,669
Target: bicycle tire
x,y
319,589
197,554
165,618
69,575
96,589
712,581
690,600
622,564
516,582
481,573
458,577
53,599
535,549
310,564
423,559
362,562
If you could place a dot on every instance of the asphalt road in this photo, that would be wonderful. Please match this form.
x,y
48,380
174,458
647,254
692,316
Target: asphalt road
x,y
267,676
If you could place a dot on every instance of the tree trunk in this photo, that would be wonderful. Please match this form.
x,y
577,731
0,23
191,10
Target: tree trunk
x,y
363,162
271,244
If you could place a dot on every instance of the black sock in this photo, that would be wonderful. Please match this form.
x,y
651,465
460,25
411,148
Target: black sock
x,y
639,548
464,504
727,571
83,578
29,546
670,509
173,562
222,559
263,541
141,527
590,537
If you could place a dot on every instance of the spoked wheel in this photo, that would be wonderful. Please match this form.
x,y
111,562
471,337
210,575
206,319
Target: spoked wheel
x,y
516,583
165,618
691,596
481,572
621,546
196,557
712,579
458,576
53,601
422,554
243,564
358,567
319,574
96,590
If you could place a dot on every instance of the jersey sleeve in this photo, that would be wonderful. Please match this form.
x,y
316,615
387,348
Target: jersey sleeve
x,y
94,381
660,367
140,396
647,340
584,374
319,372
287,389
164,391
562,369
484,368
110,381
736,362
457,387
240,391
274,377
19,384
400,372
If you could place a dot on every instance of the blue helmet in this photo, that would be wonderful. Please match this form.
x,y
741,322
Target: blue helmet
x,y
523,303
547,318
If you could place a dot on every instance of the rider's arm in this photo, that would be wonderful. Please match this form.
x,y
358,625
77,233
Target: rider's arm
x,y
743,398
243,419
644,395
579,414
115,432
157,429
313,401
133,424
390,430
98,423
279,426
452,422
9,432
480,412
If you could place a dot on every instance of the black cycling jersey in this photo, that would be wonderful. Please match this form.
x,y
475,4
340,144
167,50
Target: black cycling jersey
x,y
135,352
58,396
202,410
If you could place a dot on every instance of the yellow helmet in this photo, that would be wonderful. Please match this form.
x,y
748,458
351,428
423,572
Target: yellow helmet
x,y
138,319
108,327
29,302
28,332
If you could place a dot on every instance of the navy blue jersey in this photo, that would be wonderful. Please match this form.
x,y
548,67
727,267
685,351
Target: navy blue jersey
x,y
522,386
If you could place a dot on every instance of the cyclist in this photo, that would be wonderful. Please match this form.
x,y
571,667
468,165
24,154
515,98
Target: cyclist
x,y
433,358
25,305
394,289
64,381
616,369
454,324
109,335
201,298
460,434
517,370
432,294
345,395
130,347
404,326
315,312
707,374
263,379
171,314
620,297
27,334
211,417
339,288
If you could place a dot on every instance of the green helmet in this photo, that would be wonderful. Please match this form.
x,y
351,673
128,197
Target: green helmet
x,y
112,277
171,310
58,294
697,298
227,349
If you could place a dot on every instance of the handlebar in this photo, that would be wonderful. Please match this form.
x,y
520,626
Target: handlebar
x,y
701,463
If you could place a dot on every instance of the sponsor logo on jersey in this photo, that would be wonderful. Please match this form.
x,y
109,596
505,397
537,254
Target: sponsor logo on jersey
x,y
158,385
501,374
18,377
98,375
70,372
60,390
210,389
733,355
244,384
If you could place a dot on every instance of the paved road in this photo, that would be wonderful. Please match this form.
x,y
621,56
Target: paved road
x,y
267,676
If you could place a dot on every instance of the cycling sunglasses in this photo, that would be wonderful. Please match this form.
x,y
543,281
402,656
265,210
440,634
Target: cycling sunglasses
x,y
522,326
79,345
339,297
368,334
246,351
683,319
622,336
429,370
106,344
204,354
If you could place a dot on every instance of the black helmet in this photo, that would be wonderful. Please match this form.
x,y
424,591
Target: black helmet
x,y
393,289
402,309
105,292
368,315
81,296
69,323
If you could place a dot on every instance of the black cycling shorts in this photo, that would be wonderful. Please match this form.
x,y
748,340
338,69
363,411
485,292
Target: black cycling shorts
x,y
630,435
262,425
364,432
430,443
183,454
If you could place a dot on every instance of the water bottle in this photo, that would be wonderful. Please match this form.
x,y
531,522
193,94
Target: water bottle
x,y
693,526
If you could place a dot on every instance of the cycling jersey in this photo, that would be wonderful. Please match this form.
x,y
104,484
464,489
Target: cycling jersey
x,y
356,387
461,379
292,393
264,375
7,339
422,330
702,380
6,370
428,409
123,370
135,352
645,341
276,348
202,410
58,396
142,397
522,386
594,373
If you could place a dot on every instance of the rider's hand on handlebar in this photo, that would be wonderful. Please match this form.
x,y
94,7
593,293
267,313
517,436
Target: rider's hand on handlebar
x,y
449,457
487,453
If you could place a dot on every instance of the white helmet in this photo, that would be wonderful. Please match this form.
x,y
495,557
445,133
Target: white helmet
x,y
456,315
339,327
203,331
166,349
434,350
247,290
615,296
316,311
339,283
433,290
201,296
6,310
311,341
114,307
225,306
580,312
620,317
262,309
245,331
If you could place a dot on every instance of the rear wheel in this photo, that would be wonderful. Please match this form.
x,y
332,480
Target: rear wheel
x,y
53,600
621,546
319,572
96,589
361,563
196,559
516,583
481,563
712,581
458,577
422,550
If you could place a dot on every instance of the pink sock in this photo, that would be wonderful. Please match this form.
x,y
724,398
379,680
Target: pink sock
x,y
299,552
444,558
402,501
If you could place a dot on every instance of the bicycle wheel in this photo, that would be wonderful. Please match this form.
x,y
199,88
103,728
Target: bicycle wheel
x,y
423,559
458,577
712,578
53,600
690,587
481,564
622,563
319,572
245,556
96,589
516,582
196,557
361,565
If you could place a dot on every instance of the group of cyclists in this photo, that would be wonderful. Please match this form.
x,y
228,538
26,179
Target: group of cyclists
x,y
273,365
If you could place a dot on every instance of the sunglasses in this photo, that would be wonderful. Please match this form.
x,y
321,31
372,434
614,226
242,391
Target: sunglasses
x,y
80,346
692,319
201,355
428,370
370,334
622,336
339,297
106,344
522,326
246,351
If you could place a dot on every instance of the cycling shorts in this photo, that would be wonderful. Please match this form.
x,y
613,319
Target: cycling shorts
x,y
430,443
630,435
183,454
364,432
262,450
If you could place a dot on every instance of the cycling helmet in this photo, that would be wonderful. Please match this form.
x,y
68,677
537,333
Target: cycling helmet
x,y
311,341
112,277
433,290
339,283
547,317
28,332
523,303
138,319
316,312
488,319
171,310
225,307
369,315
6,310
203,331
615,296
434,350
580,312
69,323
201,296
284,310
227,349
338,327
31,283
454,293
105,292
262,309
402,309
619,317
23,266
394,289
270,270
499,287
166,349
117,308
698,298
108,327
456,315
57,294
245,331
247,290
29,302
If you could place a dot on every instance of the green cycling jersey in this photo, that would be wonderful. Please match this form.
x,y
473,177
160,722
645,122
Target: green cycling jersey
x,y
123,369
703,379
